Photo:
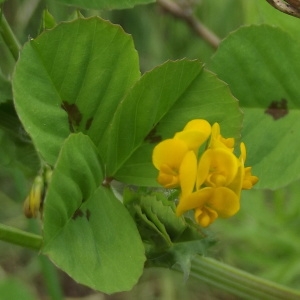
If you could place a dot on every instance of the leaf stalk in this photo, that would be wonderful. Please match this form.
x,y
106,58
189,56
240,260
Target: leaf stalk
x,y
20,237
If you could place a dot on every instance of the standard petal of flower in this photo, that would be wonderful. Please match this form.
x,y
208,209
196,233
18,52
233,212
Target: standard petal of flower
x,y
194,139
195,133
198,124
217,167
188,173
217,140
224,201
169,152
194,200
205,216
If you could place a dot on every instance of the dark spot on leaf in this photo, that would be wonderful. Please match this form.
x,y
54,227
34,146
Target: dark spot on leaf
x,y
88,214
106,182
77,214
74,115
153,137
277,109
88,123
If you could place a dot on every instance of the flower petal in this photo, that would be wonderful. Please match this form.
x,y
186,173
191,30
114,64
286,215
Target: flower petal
x,y
224,201
205,216
243,151
195,133
198,124
169,152
237,182
188,173
167,177
217,167
194,200
217,140
249,179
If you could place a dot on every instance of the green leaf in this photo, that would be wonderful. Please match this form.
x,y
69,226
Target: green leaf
x,y
261,64
71,78
104,4
88,233
261,12
160,104
168,239
48,21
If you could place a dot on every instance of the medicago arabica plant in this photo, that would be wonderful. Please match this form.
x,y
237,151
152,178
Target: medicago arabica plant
x,y
133,167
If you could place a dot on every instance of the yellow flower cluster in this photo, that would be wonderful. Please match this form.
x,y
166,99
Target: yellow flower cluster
x,y
210,184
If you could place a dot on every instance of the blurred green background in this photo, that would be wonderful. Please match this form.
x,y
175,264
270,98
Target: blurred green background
x,y
263,238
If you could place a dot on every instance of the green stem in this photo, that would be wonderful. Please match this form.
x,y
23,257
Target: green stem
x,y
238,282
51,278
19,237
8,36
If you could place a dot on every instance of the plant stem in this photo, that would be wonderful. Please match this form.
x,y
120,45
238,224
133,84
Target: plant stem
x,y
51,278
8,36
19,237
238,282
177,11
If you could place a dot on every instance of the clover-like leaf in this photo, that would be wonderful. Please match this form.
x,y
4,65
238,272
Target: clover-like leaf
x,y
88,232
261,64
71,79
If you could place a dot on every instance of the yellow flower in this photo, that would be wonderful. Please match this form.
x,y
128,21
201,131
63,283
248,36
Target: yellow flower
x,y
188,173
210,203
248,179
217,167
168,155
219,181
211,186
218,185
217,140
195,133
205,215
